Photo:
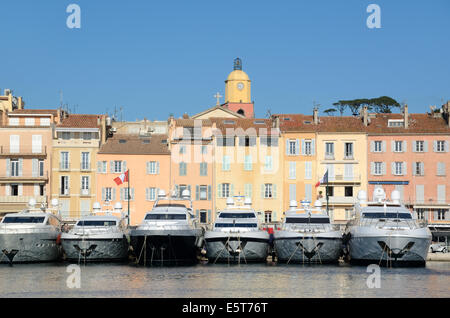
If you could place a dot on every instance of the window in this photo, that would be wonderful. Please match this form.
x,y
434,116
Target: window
x,y
29,121
378,146
269,141
108,194
395,123
293,147
292,170
64,163
151,194
64,185
226,163
441,169
87,136
14,190
420,214
248,163
203,214
45,121
225,141
329,150
182,149
441,214
203,192
419,146
308,147
41,168
418,168
101,166
378,166
152,167
41,190
247,141
84,185
349,150
125,195
14,143
36,143
267,216
85,162
330,191
440,146
14,167
398,146
398,168
268,193
203,169
225,190
268,164
13,121
183,169
348,191
65,135
117,166
204,150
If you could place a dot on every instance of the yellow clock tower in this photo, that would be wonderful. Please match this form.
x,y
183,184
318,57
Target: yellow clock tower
x,y
237,85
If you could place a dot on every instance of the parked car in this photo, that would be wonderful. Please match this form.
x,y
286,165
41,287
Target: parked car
x,y
438,247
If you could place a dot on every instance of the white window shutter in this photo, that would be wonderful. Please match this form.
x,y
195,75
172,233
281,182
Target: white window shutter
x,y
404,145
287,147
425,146
274,191
446,146
383,145
297,147
34,167
262,191
157,167
113,194
383,168
372,146
392,145
372,168
414,169
8,189
404,168
435,146
219,190
20,189
8,167
111,166
103,194
422,168
20,166
124,166
414,146
393,168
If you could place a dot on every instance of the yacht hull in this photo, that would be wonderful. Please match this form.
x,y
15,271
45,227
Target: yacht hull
x,y
165,247
29,247
94,249
389,248
297,247
223,247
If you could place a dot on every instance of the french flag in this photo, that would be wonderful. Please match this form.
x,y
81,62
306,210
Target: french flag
x,y
323,180
122,178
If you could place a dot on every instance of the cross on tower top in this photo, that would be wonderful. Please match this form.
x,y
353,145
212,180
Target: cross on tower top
x,y
218,96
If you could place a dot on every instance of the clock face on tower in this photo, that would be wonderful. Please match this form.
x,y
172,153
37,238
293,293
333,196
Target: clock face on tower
x,y
240,86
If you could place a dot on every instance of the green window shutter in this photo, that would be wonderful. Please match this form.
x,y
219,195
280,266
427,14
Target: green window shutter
x,y
209,216
209,192
219,190
197,192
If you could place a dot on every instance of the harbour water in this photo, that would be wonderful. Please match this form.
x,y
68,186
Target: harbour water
x,y
223,281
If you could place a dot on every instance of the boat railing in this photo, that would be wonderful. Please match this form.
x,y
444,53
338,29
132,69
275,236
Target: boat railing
x,y
383,223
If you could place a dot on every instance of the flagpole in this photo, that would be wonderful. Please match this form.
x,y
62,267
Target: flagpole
x,y
128,179
326,193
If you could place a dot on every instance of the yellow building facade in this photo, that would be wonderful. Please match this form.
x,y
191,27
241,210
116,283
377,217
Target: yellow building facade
x,y
76,142
342,151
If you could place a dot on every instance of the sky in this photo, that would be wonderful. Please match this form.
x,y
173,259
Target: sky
x,y
156,58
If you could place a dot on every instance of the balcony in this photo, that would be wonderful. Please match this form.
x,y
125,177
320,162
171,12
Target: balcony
x,y
21,199
24,178
25,151
343,179
335,200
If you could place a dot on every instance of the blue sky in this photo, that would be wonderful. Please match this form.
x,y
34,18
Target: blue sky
x,y
154,58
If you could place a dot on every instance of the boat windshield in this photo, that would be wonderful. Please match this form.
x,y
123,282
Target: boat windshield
x,y
96,223
160,216
24,219
324,220
236,215
236,225
387,215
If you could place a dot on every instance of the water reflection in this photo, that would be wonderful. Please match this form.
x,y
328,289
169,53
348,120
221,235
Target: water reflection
x,y
222,280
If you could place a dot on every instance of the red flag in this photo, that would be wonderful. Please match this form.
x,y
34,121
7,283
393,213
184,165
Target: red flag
x,y
122,178
323,180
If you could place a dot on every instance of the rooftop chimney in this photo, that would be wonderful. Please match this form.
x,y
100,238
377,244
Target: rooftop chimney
x,y
316,116
275,121
405,115
365,113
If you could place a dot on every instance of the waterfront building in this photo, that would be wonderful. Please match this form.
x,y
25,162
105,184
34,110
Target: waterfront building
x,y
299,158
191,164
147,158
76,141
25,157
410,153
342,151
248,163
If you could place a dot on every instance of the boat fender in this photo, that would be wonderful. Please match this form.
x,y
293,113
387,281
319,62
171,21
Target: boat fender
x,y
58,239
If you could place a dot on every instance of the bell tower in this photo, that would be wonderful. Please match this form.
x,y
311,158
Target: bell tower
x,y
238,85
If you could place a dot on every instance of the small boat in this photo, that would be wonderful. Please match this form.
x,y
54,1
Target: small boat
x,y
97,237
307,236
237,236
31,235
386,233
169,233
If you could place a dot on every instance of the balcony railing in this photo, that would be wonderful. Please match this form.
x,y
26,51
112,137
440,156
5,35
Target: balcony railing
x,y
24,177
21,199
23,151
